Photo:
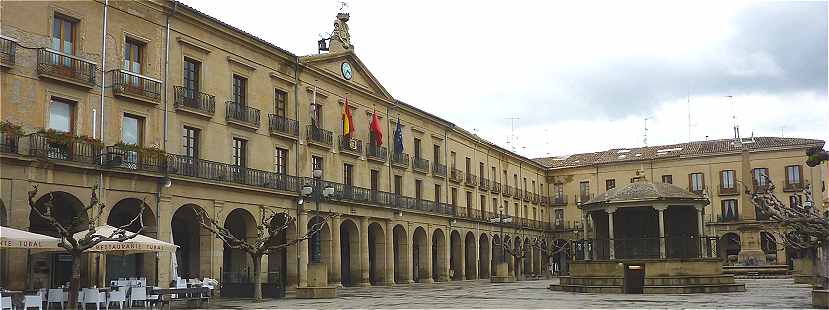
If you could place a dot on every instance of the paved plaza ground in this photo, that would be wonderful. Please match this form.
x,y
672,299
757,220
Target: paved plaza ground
x,y
760,293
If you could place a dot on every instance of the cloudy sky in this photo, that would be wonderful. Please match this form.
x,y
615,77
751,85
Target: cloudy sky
x,y
579,76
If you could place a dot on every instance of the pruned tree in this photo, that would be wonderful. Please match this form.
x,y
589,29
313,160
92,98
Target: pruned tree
x,y
267,239
522,251
816,156
85,219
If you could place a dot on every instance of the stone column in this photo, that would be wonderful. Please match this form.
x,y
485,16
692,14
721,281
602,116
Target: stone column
x,y
447,250
488,260
364,266
661,209
584,227
302,230
409,270
428,262
389,253
336,251
461,272
702,243
610,237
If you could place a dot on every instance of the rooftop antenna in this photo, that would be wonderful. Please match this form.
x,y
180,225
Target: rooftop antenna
x,y
645,140
511,139
734,119
689,115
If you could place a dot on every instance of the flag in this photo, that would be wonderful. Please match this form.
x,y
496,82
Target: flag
x,y
398,137
376,130
348,124
314,112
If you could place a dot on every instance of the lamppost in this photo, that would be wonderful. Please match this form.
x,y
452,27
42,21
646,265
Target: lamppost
x,y
316,192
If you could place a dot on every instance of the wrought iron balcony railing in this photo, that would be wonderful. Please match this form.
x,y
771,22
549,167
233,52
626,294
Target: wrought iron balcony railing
x,y
319,136
134,159
471,180
65,67
9,142
242,114
507,191
543,200
496,188
728,191
350,145
792,187
456,175
527,196
279,125
376,152
558,200
439,170
191,100
420,165
44,146
484,185
517,193
679,247
216,171
8,49
134,85
400,160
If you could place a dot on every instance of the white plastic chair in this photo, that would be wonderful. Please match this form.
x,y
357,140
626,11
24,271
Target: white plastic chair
x,y
119,296
92,296
80,298
56,295
33,301
138,294
5,303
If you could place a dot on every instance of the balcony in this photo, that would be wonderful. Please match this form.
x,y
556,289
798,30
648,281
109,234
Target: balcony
x,y
192,101
64,146
471,180
376,153
8,49
66,68
216,171
420,165
439,170
534,198
527,196
792,187
400,160
319,137
484,185
350,146
496,188
242,115
9,142
134,158
584,197
507,191
728,191
135,86
543,200
282,126
456,175
558,200
517,193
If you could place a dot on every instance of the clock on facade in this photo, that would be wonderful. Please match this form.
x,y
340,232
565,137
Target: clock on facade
x,y
346,70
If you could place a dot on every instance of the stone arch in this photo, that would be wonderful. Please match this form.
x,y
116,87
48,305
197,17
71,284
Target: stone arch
x,y
402,261
484,265
135,265
508,257
769,246
194,241
518,262
527,268
350,268
324,241
497,254
237,265
376,254
420,255
471,256
456,262
440,266
52,270
730,247
281,269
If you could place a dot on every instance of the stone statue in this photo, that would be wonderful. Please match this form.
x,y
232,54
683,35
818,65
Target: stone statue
x,y
340,37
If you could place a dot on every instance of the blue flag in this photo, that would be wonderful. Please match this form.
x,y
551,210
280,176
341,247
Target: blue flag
x,y
398,137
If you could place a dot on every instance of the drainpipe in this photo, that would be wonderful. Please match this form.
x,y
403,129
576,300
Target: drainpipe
x,y
167,73
296,156
101,190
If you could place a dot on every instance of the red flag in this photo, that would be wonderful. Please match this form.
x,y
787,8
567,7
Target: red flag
x,y
376,130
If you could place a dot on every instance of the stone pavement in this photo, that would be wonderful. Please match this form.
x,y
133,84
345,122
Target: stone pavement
x,y
760,293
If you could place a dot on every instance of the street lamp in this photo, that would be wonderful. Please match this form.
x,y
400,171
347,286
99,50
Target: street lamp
x,y
317,192
500,220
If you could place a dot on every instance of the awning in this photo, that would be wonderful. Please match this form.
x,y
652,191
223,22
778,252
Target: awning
x,y
19,239
138,244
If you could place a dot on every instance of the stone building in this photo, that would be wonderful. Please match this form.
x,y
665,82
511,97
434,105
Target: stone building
x,y
189,113
714,169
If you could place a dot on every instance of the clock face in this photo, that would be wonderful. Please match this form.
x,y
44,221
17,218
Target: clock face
x,y
346,71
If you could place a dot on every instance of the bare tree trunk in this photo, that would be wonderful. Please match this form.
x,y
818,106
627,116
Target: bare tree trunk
x,y
257,277
75,283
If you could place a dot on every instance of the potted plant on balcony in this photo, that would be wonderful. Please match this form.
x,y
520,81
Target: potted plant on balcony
x,y
10,133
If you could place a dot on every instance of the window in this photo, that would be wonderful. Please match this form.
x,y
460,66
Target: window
x,y
584,190
280,161
525,214
515,181
525,184
492,175
634,179
794,201
133,56
416,148
240,88
190,141
506,207
610,184
558,189
418,189
505,180
316,164
398,184
61,115
375,180
481,170
696,182
729,210
192,70
468,199
454,196
483,204
669,179
437,193
533,182
535,214
63,34
793,176
759,180
468,165
494,205
558,218
727,179
239,150
348,174
279,101
132,128
515,210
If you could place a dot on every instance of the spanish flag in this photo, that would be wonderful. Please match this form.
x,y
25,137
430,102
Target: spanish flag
x,y
348,124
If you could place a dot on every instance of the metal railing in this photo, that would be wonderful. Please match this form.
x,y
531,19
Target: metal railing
x,y
728,191
484,185
558,200
210,170
455,175
351,145
190,99
543,200
792,187
527,196
471,180
282,125
126,158
40,145
517,193
8,49
439,170
319,136
507,192
63,66
9,142
534,198
496,188
125,83
420,165
242,113
374,151
584,197
400,159
646,248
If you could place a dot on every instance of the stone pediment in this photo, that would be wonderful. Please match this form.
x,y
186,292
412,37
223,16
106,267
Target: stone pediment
x,y
331,66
